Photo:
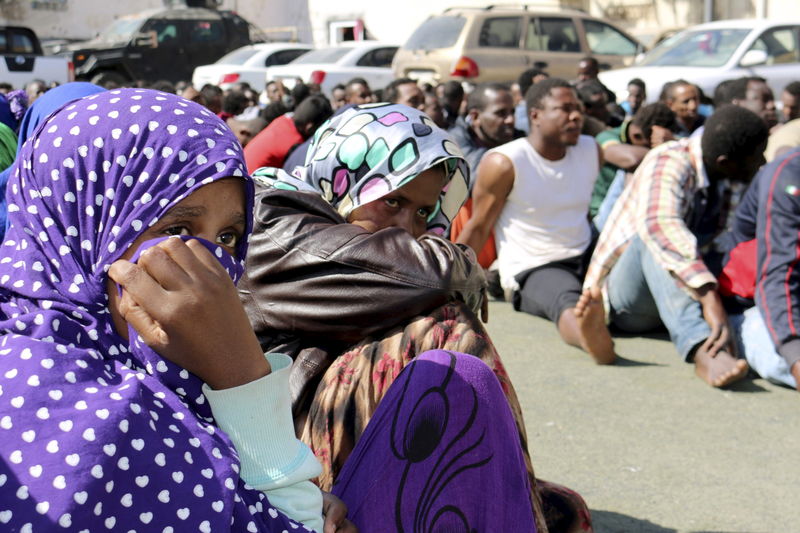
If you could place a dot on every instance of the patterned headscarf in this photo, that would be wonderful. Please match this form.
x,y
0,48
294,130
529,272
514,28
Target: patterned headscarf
x,y
371,150
43,106
96,431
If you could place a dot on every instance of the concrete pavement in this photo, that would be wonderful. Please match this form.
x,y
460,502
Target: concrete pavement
x,y
650,446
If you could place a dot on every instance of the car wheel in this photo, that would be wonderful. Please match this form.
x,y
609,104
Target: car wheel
x,y
110,79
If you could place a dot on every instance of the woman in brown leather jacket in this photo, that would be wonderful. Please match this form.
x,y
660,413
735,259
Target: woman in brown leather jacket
x,y
348,273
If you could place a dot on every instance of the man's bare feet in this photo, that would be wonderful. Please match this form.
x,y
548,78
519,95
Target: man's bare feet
x,y
594,336
720,370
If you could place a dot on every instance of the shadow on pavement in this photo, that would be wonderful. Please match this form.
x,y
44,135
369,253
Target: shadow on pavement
x,y
611,522
621,361
745,385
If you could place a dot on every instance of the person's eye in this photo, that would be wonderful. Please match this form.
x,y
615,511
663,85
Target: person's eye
x,y
229,239
423,212
391,202
176,230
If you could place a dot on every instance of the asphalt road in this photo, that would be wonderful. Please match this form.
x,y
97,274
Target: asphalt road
x,y
650,446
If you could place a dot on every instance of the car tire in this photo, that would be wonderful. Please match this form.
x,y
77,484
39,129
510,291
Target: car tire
x,y
109,78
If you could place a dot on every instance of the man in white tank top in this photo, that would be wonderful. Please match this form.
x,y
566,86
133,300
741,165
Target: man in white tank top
x,y
534,193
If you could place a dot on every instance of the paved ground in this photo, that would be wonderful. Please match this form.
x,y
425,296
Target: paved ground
x,y
650,446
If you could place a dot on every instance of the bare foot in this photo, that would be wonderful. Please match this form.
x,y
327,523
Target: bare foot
x,y
720,370
594,336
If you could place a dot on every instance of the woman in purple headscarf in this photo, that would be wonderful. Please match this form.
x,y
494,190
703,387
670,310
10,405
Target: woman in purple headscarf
x,y
133,391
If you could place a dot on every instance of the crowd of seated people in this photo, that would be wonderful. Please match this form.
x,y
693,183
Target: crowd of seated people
x,y
256,310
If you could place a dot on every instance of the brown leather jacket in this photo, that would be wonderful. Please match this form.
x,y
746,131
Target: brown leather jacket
x,y
315,284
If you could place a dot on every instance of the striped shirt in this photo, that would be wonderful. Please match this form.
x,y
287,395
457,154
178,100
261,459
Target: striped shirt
x,y
657,205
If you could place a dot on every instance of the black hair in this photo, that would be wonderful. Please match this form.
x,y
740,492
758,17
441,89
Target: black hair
x,y
354,81
299,92
453,90
590,59
234,103
391,94
525,79
658,114
273,111
734,132
638,82
793,89
724,90
164,86
181,86
587,89
338,87
737,89
210,91
479,97
667,93
538,91
314,110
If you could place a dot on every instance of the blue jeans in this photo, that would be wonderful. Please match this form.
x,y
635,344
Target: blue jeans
x,y
759,350
614,192
643,296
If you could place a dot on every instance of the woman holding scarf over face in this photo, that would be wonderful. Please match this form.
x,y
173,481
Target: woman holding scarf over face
x,y
133,391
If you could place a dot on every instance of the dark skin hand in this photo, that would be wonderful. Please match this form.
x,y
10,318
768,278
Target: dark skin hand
x,y
334,511
714,314
185,306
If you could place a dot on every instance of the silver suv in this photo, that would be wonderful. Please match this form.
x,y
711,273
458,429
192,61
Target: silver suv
x,y
498,43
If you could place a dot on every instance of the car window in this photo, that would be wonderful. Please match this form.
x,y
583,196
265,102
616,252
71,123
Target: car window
x,y
22,44
237,57
205,31
605,40
436,32
323,55
500,32
780,44
552,34
700,48
380,57
165,31
281,57
121,30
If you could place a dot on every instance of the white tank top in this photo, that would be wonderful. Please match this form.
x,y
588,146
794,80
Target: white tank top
x,y
546,214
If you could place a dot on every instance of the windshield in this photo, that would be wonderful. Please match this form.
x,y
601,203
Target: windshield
x,y
323,55
120,30
436,32
237,57
702,48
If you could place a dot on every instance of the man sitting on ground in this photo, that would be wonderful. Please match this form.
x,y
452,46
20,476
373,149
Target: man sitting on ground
x,y
490,109
648,259
535,192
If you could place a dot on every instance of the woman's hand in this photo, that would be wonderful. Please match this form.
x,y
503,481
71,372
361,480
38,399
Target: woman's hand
x,y
334,511
184,305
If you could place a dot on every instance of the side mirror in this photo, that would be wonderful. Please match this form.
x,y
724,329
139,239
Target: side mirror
x,y
753,58
145,40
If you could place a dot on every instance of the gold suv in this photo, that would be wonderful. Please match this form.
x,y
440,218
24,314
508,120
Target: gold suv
x,y
497,43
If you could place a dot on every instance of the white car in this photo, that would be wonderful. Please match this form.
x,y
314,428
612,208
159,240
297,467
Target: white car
x,y
248,64
328,67
708,54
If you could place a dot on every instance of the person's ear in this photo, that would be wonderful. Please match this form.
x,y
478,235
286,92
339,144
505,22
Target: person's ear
x,y
473,115
726,165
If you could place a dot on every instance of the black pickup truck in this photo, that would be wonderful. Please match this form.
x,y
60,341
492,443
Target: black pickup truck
x,y
163,44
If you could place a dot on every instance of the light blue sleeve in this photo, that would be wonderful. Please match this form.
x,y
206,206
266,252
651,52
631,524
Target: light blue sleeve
x,y
257,416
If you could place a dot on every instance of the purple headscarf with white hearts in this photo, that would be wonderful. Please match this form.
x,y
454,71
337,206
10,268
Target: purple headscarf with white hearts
x,y
97,432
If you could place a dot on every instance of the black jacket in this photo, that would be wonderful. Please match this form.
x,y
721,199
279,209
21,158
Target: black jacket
x,y
315,284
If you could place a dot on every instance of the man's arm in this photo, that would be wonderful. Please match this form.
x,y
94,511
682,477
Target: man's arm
x,y
625,156
495,179
778,281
